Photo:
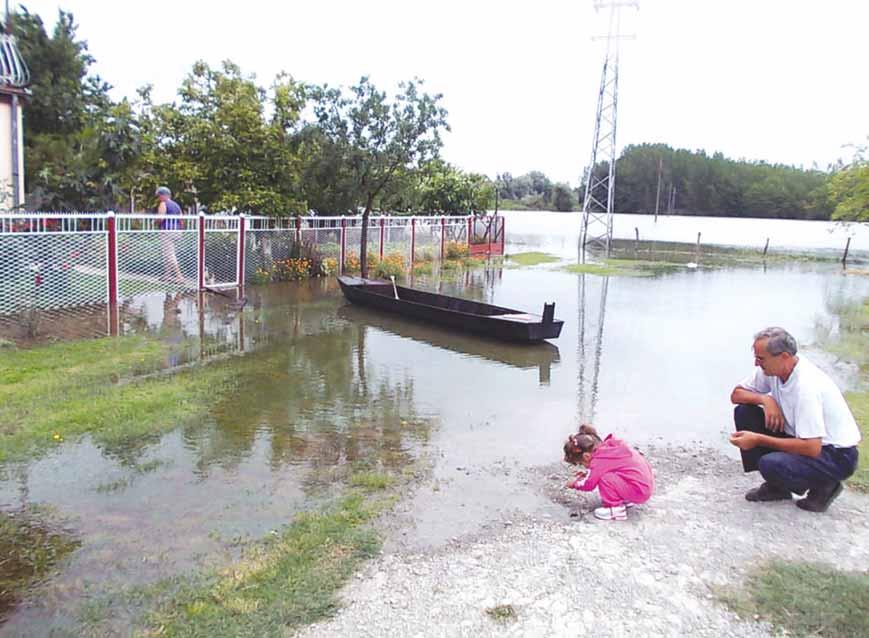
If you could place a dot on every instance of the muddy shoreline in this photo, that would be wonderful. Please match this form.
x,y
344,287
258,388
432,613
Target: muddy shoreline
x,y
659,573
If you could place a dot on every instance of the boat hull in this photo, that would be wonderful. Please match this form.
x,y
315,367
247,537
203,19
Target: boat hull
x,y
452,312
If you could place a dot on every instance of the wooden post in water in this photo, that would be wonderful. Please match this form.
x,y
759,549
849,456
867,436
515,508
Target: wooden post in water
x,y
637,240
658,191
765,247
698,247
845,256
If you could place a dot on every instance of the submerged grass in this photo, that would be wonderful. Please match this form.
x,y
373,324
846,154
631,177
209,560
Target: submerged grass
x,y
531,259
285,581
624,268
805,600
59,392
30,546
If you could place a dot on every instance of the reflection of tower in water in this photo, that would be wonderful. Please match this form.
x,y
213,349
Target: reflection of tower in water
x,y
589,345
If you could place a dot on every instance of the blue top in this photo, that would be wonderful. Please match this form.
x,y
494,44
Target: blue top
x,y
172,208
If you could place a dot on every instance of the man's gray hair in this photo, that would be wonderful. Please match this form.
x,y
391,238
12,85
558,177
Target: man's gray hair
x,y
162,190
778,340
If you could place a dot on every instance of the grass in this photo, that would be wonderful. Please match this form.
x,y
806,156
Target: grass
x,y
370,480
502,613
285,581
852,344
531,259
805,600
859,404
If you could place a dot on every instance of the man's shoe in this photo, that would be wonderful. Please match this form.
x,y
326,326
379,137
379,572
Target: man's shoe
x,y
819,498
767,492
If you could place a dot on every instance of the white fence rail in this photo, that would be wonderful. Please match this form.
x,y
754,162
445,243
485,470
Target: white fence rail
x,y
53,260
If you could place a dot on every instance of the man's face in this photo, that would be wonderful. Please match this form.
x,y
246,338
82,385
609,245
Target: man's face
x,y
772,365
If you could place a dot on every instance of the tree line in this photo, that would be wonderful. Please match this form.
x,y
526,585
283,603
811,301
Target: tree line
x,y
687,182
229,144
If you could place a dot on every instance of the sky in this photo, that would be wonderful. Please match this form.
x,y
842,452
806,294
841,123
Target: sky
x,y
783,81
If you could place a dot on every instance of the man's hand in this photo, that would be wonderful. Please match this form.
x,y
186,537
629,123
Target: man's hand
x,y
773,418
744,440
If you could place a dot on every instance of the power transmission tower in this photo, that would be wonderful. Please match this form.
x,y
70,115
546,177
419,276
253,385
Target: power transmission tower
x,y
597,207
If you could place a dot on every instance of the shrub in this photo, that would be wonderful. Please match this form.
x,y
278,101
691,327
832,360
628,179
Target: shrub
x,y
456,250
329,266
391,265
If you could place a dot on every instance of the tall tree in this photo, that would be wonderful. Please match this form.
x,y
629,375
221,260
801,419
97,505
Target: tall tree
x,y
374,138
849,189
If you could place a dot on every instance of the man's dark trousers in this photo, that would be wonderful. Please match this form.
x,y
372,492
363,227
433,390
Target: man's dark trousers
x,y
793,472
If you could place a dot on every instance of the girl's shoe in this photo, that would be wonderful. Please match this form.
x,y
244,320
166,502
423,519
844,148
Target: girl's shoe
x,y
628,504
617,513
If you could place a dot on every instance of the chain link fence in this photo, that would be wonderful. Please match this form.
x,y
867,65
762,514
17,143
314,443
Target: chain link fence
x,y
53,261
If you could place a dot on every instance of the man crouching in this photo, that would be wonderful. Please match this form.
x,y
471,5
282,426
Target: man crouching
x,y
793,425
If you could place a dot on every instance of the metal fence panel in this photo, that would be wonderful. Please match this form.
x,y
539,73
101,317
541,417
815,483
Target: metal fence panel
x,y
52,270
221,251
157,255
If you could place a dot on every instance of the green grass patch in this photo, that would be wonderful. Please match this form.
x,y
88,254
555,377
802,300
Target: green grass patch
x,y
852,344
625,268
531,259
805,599
371,480
502,613
286,581
859,404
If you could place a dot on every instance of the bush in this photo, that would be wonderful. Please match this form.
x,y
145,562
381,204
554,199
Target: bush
x,y
391,266
456,250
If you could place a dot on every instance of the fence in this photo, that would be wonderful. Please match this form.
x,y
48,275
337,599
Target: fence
x,y
50,261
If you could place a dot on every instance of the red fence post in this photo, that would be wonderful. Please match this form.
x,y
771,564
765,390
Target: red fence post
x,y
381,238
201,252
298,229
443,235
240,280
343,242
470,228
412,238
112,268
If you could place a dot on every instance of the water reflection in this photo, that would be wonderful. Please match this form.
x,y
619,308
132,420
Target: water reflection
x,y
541,356
302,410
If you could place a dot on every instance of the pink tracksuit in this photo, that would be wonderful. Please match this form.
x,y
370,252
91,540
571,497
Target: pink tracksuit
x,y
619,472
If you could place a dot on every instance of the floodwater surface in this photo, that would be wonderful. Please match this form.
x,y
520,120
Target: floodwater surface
x,y
323,386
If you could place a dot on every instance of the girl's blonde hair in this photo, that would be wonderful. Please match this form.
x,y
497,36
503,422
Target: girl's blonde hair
x,y
578,444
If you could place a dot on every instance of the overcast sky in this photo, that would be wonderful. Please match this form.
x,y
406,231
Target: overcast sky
x,y
776,80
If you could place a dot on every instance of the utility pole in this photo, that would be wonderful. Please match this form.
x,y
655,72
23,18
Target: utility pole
x,y
597,207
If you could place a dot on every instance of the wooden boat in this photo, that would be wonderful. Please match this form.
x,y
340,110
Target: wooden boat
x,y
453,312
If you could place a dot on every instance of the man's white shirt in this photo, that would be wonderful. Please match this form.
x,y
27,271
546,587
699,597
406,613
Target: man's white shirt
x,y
812,405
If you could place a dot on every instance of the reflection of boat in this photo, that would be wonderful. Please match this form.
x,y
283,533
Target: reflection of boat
x,y
453,312
541,355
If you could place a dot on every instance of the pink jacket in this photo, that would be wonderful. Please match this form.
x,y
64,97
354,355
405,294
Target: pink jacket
x,y
616,456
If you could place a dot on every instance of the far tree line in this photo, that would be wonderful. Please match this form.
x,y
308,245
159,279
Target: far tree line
x,y
229,144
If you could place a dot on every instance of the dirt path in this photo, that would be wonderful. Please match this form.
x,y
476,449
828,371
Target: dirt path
x,y
652,575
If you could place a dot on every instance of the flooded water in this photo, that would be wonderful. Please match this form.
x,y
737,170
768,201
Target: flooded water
x,y
323,386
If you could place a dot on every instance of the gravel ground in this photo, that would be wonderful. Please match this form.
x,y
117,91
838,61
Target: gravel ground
x,y
570,575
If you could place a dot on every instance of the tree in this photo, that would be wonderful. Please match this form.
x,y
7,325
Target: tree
x,y
562,197
220,141
374,139
849,189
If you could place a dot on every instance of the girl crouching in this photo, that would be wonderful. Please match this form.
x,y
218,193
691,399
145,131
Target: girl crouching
x,y
622,475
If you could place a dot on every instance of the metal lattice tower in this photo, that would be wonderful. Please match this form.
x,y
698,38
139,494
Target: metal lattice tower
x,y
597,207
